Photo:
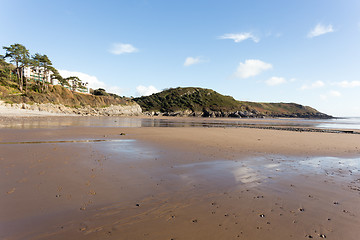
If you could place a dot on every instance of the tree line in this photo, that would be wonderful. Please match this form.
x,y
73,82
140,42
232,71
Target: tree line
x,y
19,55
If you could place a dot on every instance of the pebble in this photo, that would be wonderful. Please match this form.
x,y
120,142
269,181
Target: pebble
x,y
262,215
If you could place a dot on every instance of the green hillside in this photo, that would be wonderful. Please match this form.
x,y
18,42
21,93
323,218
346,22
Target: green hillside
x,y
206,102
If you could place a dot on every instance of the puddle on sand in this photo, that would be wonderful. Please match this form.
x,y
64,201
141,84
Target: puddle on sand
x,y
256,171
128,149
67,141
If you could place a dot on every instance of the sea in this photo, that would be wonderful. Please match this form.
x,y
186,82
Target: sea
x,y
348,123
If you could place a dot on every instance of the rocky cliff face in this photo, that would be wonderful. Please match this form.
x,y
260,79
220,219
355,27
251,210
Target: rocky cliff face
x,y
238,114
131,109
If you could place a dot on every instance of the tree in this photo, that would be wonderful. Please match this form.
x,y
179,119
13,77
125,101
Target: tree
x,y
20,56
42,65
56,76
100,92
73,82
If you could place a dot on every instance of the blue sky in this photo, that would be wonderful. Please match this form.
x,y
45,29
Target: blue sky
x,y
304,51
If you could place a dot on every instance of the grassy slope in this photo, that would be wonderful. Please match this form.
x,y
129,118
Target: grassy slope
x,y
199,99
60,95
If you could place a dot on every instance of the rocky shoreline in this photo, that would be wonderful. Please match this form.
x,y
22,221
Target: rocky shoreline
x,y
299,129
238,114
55,109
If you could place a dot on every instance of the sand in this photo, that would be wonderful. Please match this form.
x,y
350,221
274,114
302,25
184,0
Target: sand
x,y
78,182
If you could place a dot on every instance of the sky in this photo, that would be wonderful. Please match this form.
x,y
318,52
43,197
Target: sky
x,y
302,51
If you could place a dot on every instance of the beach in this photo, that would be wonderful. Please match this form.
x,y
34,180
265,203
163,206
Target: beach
x,y
80,181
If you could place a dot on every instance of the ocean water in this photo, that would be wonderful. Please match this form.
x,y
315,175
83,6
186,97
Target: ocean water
x,y
341,123
54,122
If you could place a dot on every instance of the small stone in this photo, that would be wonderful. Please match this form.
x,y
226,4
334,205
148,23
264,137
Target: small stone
x,y
138,205
322,235
262,215
195,221
336,203
122,134
301,210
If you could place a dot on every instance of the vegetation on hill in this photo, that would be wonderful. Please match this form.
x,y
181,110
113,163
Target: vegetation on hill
x,y
20,56
60,95
16,88
190,101
206,102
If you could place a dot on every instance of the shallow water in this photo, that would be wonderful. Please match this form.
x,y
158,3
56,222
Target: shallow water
x,y
258,170
55,122
340,123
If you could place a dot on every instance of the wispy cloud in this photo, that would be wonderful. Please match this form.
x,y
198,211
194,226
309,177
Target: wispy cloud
x,y
93,81
191,61
251,67
275,81
145,91
329,94
347,84
317,84
121,48
239,37
320,29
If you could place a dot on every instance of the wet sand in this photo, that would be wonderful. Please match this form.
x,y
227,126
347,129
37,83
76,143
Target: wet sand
x,y
178,183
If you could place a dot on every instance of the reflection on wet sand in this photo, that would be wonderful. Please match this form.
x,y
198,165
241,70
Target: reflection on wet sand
x,y
172,183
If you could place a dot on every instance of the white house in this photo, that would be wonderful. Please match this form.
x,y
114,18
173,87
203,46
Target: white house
x,y
37,74
82,89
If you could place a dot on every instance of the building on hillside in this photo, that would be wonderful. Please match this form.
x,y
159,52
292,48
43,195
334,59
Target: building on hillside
x,y
75,86
38,74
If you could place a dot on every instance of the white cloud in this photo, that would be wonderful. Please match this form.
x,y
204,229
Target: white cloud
x,y
145,91
251,67
331,93
239,37
348,84
320,29
121,48
317,84
275,81
92,81
190,61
